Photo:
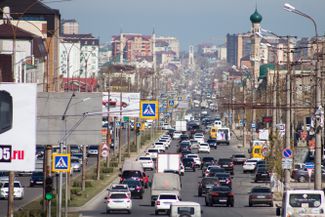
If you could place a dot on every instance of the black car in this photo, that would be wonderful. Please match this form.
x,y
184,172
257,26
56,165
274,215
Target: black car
x,y
37,178
185,145
184,137
185,152
227,164
262,175
224,179
135,187
207,161
212,143
212,171
189,164
206,183
219,195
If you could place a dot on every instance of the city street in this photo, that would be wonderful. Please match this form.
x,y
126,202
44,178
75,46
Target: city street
x,y
242,183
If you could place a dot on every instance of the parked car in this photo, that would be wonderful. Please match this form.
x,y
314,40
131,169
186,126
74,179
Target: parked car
x,y
37,178
220,195
118,201
262,174
212,143
18,190
238,158
206,183
302,175
260,195
227,164
164,201
135,187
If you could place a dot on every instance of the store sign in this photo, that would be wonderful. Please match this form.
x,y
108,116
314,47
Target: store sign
x,y
18,127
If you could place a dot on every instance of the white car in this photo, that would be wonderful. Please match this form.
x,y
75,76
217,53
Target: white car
x,y
194,144
164,201
146,162
153,152
250,165
120,188
165,141
181,169
199,137
160,145
18,190
118,201
177,134
204,147
196,159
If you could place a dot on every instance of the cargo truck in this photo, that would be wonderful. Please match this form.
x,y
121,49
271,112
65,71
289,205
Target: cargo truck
x,y
169,162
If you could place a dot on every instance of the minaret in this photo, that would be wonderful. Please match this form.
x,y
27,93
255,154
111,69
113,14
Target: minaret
x,y
256,19
191,63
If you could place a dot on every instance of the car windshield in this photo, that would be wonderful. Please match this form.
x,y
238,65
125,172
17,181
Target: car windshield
x,y
145,158
222,175
224,160
211,141
239,156
252,161
75,161
167,197
119,187
130,174
204,144
37,174
16,185
93,147
261,190
221,189
209,181
118,196
153,150
305,200
186,160
185,210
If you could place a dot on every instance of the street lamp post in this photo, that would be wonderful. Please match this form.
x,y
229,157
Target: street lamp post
x,y
318,109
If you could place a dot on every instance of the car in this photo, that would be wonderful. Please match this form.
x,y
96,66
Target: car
x,y
165,142
160,145
185,152
250,164
92,150
185,209
224,178
238,158
206,183
227,164
212,143
118,201
303,176
204,147
184,145
164,201
75,164
184,137
196,158
220,195
120,188
153,153
80,156
37,178
262,174
135,187
137,175
199,137
75,149
177,134
18,190
181,169
189,164
211,170
260,195
146,162
194,144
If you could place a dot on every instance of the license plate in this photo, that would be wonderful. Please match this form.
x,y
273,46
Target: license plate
x,y
168,203
118,201
260,197
132,189
225,165
264,174
223,200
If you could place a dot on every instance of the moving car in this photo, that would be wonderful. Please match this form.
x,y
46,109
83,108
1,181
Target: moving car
x,y
212,170
238,158
164,201
92,150
204,147
219,195
224,179
227,164
206,183
250,165
262,174
212,143
189,164
153,153
18,190
177,135
146,162
196,159
120,188
118,201
135,186
199,137
37,178
260,195
76,164
185,209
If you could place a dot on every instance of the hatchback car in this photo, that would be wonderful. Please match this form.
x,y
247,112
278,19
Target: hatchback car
x,y
260,195
220,195
118,201
206,183
164,201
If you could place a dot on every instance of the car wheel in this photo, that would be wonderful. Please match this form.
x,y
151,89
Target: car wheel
x,y
129,211
141,197
152,203
156,212
255,180
244,171
301,179
107,211
250,204
200,194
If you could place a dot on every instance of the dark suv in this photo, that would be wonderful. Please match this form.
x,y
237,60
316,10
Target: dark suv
x,y
227,164
207,183
262,175
189,164
37,178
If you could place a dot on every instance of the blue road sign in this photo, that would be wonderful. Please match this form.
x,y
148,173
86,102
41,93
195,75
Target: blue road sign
x,y
61,163
287,153
180,98
149,109
309,165
253,125
138,124
117,123
171,103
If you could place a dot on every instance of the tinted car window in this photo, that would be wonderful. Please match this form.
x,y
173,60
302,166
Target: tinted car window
x,y
118,196
261,190
187,210
167,197
313,200
209,181
129,174
224,160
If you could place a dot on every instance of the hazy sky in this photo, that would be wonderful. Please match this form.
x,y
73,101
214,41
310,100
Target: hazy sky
x,y
191,21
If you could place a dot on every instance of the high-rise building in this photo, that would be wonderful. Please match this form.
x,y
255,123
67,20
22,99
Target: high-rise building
x,y
238,46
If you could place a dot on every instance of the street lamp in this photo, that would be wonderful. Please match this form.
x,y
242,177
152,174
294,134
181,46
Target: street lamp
x,y
318,109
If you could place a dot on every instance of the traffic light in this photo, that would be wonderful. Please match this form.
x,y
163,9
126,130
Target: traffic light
x,y
49,188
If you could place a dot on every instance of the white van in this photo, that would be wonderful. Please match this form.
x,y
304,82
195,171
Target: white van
x,y
185,209
299,203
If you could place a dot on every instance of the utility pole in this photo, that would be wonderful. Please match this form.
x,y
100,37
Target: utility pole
x,y
288,111
120,127
83,169
244,119
108,133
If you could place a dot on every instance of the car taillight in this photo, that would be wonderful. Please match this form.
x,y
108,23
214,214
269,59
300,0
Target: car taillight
x,y
138,188
228,181
231,164
214,194
230,194
157,202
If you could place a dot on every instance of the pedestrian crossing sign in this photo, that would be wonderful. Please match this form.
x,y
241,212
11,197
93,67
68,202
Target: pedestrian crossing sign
x,y
149,109
61,163
171,103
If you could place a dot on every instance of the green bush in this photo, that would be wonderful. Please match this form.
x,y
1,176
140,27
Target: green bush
x,y
76,184
114,163
89,184
107,170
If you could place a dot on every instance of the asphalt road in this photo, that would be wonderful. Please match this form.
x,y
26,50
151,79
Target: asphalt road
x,y
242,183
32,193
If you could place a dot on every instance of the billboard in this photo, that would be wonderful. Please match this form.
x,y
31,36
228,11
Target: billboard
x,y
18,126
130,104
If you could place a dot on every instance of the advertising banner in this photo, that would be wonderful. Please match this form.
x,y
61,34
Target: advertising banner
x,y
130,104
17,126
